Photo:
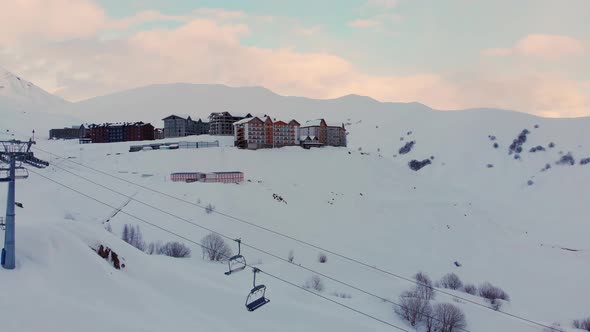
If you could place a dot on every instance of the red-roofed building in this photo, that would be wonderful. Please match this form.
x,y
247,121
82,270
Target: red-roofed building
x,y
263,132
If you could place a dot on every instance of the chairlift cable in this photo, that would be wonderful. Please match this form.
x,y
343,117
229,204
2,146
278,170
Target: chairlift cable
x,y
203,246
309,244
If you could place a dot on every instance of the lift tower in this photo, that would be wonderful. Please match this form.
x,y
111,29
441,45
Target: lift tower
x,y
13,154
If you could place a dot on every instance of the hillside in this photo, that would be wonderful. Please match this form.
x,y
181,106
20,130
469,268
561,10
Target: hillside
x,y
512,222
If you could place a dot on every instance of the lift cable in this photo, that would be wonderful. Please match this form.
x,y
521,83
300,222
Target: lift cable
x,y
205,247
309,244
247,245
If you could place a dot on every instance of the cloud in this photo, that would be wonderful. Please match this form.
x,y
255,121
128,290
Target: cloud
x,y
56,19
375,21
207,47
548,47
364,23
308,31
388,4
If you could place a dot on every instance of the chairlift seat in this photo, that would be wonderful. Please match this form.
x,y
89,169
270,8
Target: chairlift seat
x,y
256,298
236,260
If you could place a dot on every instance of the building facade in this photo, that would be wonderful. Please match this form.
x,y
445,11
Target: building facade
x,y
332,135
263,132
119,132
177,126
221,123
219,177
65,133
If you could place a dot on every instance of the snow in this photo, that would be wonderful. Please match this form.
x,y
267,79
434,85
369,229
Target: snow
x,y
362,201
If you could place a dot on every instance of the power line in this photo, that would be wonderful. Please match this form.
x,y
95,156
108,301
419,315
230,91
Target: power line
x,y
131,198
309,244
226,256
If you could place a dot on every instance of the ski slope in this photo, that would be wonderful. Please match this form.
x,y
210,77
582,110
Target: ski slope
x,y
362,202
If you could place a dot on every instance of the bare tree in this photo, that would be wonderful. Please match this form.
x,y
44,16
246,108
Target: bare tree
x,y
582,324
451,281
424,288
493,294
448,317
315,283
132,235
215,248
153,248
175,249
209,208
411,308
470,289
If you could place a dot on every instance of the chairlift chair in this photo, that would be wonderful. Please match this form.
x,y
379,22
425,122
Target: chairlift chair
x,y
237,262
256,297
19,173
4,174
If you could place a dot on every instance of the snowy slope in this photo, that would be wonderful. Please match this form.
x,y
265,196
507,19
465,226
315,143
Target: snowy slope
x,y
362,201
24,107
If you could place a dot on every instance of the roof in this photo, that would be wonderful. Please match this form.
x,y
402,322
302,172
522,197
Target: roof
x,y
313,123
246,120
304,138
173,117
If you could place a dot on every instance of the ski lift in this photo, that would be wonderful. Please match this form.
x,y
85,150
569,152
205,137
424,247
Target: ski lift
x,y
237,262
256,297
19,173
4,174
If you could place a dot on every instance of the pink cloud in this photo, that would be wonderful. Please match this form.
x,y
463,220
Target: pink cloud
x,y
59,19
210,50
364,23
549,47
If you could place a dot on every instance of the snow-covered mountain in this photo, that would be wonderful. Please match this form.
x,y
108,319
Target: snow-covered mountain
x,y
25,93
508,220
25,106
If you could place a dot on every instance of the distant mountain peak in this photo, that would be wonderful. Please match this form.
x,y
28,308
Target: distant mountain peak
x,y
18,89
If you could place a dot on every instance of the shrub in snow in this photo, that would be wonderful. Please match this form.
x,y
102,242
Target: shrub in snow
x,y
450,281
517,156
496,145
175,249
489,165
555,327
108,228
315,283
470,289
517,143
536,126
567,159
412,308
322,258
153,248
209,208
536,148
530,182
342,295
585,161
547,166
492,137
447,318
69,216
291,256
132,235
416,165
493,294
582,324
215,248
424,288
551,145
407,147
409,133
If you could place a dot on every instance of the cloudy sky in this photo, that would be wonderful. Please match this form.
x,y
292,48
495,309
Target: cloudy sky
x,y
527,55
